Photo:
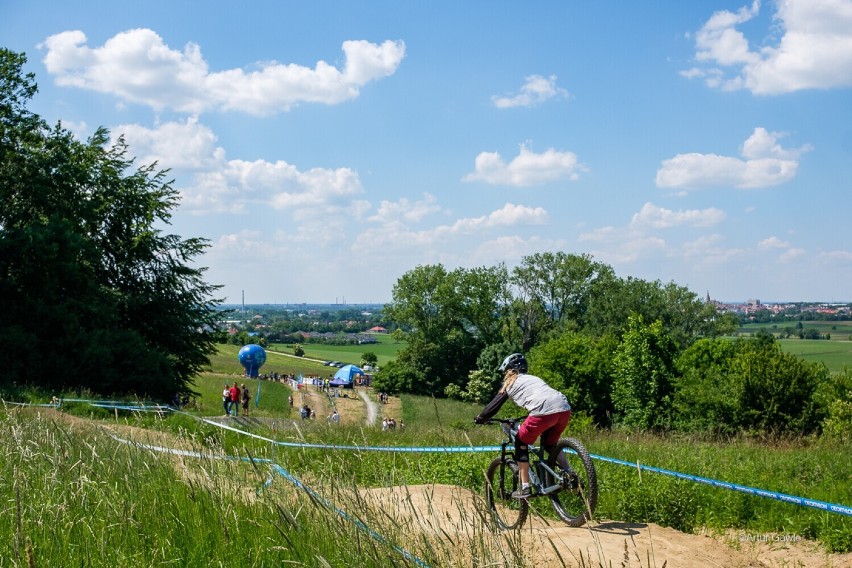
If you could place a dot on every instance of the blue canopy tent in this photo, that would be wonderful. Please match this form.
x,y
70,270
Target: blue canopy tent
x,y
345,375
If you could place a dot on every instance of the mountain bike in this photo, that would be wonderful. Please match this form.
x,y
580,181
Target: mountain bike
x,y
572,492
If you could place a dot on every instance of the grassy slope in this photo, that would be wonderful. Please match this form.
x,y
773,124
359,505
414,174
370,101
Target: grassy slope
x,y
806,468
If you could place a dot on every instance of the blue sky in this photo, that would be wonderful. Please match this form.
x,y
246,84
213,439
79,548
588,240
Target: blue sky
x,y
326,148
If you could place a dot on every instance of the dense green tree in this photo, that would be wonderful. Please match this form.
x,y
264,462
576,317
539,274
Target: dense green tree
x,y
448,316
580,366
643,371
775,390
834,398
555,290
91,289
683,314
369,358
705,391
751,385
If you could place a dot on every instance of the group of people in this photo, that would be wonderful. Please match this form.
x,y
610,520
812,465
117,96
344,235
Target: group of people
x,y
233,396
390,424
305,412
383,397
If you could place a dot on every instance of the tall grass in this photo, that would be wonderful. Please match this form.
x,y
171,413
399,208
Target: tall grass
x,y
82,493
76,496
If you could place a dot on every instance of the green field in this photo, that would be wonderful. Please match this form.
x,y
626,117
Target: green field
x,y
839,330
835,353
386,349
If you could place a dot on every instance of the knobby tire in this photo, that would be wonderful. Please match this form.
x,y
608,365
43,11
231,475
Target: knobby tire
x,y
506,511
575,503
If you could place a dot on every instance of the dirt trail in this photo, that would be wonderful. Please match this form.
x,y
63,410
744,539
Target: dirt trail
x,y
449,510
372,410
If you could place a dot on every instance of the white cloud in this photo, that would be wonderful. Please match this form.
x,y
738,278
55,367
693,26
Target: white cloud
x,y
217,184
660,218
187,145
404,211
526,169
814,50
791,254
788,252
772,243
836,257
509,215
766,164
535,91
392,236
136,66
511,249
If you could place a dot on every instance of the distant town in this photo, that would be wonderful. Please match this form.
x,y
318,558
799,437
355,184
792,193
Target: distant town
x,y
816,310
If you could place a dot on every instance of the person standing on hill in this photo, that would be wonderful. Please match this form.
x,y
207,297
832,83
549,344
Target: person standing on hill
x,y
235,399
226,400
245,400
549,414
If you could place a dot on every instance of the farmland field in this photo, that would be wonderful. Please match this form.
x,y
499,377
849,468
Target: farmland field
x,y
835,353
386,349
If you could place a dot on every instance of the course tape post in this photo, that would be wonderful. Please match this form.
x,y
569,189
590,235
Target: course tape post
x,y
786,498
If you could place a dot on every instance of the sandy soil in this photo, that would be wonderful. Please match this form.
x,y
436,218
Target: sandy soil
x,y
448,511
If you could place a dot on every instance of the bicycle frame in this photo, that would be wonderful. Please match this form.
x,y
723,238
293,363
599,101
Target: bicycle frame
x,y
571,482
538,465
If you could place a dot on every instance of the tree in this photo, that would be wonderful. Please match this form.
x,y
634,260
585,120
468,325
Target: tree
x,y
91,287
775,390
705,390
683,314
580,366
554,290
449,316
643,369
369,358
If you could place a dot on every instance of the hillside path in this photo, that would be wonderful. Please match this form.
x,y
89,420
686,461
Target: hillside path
x,y
372,408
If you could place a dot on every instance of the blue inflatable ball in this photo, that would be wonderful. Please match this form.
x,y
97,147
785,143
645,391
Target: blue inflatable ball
x,y
252,357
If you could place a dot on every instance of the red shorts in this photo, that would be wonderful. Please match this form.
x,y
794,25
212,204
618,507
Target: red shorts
x,y
549,427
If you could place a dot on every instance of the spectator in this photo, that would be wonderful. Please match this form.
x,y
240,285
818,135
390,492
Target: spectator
x,y
235,399
226,400
245,400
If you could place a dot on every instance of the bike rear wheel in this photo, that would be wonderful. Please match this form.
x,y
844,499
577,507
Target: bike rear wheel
x,y
501,480
575,503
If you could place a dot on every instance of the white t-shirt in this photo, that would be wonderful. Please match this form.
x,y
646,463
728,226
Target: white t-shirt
x,y
536,396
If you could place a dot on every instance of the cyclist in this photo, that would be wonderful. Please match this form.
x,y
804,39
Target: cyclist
x,y
549,414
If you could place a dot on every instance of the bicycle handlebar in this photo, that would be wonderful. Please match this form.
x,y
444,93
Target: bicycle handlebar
x,y
510,421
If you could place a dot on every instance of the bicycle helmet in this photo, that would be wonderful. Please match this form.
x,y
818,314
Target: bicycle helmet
x,y
514,361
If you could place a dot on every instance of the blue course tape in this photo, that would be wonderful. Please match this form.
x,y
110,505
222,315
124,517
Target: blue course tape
x,y
344,515
801,501
796,500
360,525
813,503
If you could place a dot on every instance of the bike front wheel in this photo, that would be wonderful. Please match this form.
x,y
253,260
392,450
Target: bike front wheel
x,y
501,480
575,503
